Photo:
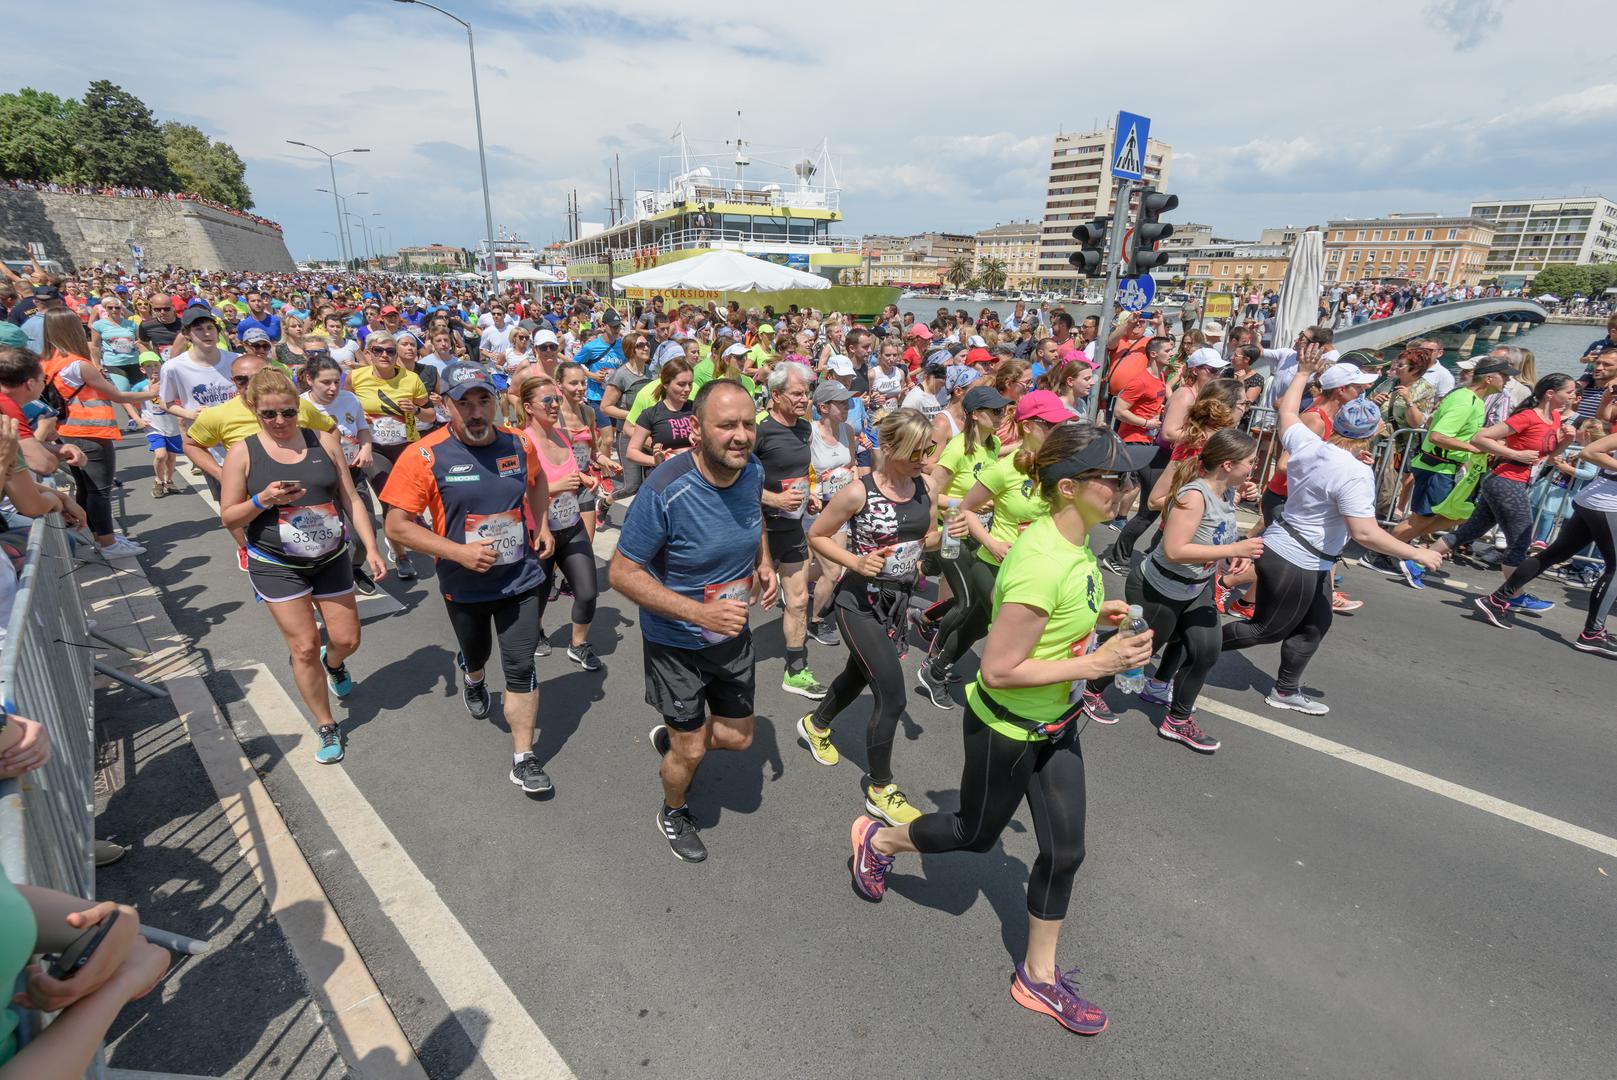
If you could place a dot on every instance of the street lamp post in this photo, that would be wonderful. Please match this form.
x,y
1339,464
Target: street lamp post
x,y
381,257
331,161
364,232
342,209
477,109
337,238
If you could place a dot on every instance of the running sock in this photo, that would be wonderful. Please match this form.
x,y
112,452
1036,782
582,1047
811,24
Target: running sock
x,y
672,809
518,759
796,660
471,681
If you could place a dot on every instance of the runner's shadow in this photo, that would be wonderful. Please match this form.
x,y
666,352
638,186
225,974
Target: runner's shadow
x,y
394,687
562,704
736,781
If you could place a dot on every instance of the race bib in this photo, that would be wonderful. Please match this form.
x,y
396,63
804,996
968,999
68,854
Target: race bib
x,y
901,563
563,510
504,530
581,455
350,449
388,431
795,485
309,532
834,481
739,589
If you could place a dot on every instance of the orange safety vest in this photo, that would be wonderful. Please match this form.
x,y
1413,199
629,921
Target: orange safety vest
x,y
89,415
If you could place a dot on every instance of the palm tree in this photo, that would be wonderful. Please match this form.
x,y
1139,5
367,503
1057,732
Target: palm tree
x,y
959,271
993,273
850,275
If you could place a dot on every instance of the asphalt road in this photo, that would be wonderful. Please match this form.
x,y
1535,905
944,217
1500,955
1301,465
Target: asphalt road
x,y
1270,911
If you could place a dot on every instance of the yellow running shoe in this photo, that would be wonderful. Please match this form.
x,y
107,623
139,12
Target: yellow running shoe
x,y
889,804
818,741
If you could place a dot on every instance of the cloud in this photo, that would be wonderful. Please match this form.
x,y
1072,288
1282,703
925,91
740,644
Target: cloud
x,y
1469,21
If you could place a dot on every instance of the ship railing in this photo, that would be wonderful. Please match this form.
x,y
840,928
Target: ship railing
x,y
685,239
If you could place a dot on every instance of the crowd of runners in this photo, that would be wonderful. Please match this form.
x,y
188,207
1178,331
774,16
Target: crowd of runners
x,y
895,485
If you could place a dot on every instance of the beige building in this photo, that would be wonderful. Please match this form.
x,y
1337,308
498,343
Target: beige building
x,y
1080,187
1532,234
923,259
431,255
1016,246
1417,247
1235,267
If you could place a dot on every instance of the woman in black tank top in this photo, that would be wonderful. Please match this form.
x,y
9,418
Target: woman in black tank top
x,y
287,488
889,518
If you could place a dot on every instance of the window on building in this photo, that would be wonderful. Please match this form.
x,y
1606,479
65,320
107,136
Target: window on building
x,y
1359,235
1354,257
1454,234
1428,235
1409,234
1376,235
1338,234
1405,255
1224,271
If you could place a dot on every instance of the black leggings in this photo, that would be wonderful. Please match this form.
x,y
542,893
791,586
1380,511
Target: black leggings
x,y
999,772
1504,502
1123,547
1188,633
1584,527
872,661
515,620
94,482
965,623
1294,608
576,558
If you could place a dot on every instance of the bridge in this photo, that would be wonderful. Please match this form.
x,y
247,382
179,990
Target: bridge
x,y
1461,325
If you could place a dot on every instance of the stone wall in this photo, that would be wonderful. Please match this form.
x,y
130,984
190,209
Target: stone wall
x,y
83,230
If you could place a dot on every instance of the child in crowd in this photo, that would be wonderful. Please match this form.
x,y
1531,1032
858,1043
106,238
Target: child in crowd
x,y
162,429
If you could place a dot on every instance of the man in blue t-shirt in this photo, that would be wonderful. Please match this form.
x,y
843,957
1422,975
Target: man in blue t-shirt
x,y
691,556
601,355
259,317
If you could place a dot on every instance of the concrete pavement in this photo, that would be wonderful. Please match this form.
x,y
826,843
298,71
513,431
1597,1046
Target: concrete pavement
x,y
1272,910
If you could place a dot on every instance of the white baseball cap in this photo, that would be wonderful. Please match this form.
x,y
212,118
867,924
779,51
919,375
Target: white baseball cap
x,y
545,337
1340,375
1207,358
736,350
840,365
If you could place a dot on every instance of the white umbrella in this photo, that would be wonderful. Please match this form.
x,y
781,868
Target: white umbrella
x,y
1547,298
524,272
1299,289
722,271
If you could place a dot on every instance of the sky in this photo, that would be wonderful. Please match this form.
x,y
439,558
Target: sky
x,y
939,116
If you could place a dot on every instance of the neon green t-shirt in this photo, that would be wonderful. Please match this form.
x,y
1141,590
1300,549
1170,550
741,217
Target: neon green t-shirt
x,y
702,374
1459,416
1044,570
1017,503
964,468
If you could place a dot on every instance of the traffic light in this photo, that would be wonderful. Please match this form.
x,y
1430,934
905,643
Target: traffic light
x,y
1145,257
1090,258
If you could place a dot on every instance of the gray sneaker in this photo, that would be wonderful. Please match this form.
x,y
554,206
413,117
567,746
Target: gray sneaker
x,y
1298,702
531,777
935,685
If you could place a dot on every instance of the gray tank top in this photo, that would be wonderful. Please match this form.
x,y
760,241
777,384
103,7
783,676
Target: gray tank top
x,y
1185,581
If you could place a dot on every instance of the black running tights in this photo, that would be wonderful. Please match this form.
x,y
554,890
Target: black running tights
x,y
966,622
1122,548
1187,632
872,661
1584,527
576,558
1293,608
999,772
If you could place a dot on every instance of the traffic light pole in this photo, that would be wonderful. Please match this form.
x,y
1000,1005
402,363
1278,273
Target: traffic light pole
x,y
1114,260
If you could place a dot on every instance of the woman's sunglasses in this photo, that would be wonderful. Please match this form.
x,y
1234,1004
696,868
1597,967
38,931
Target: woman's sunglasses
x,y
271,414
923,453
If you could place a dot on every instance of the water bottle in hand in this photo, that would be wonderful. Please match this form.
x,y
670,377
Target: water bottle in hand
x,y
1132,681
949,546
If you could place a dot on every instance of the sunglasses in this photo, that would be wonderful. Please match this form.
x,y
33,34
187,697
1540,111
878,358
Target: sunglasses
x,y
384,352
923,453
259,345
241,380
271,414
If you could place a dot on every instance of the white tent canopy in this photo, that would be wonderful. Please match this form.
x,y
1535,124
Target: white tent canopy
x,y
525,272
722,271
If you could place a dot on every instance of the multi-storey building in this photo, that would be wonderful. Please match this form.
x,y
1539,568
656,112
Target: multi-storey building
x,y
1531,234
1016,246
1081,187
1232,267
923,259
1417,247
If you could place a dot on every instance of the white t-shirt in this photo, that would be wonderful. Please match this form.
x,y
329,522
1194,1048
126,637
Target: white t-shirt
x,y
344,353
493,341
918,398
1325,485
1599,494
196,386
885,384
1441,378
349,416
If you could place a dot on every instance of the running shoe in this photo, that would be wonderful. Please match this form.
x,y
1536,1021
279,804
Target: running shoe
x,y
1241,609
1381,564
241,559
474,694
926,630
1157,692
1096,709
1538,545
1298,702
121,548
363,582
660,741
935,685
531,777
818,741
1114,564
950,675
1599,643
555,590
1529,604
584,656
825,632
1414,575
803,684
1187,732
1342,602
868,866
159,489
1059,1000
405,568
543,648
329,752
337,677
889,804
1221,595
1496,611
679,829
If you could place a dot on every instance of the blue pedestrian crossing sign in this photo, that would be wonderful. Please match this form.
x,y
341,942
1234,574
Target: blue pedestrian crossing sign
x,y
1128,145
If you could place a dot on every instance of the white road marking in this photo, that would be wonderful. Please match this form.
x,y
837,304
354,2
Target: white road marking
x,y
506,1037
1521,815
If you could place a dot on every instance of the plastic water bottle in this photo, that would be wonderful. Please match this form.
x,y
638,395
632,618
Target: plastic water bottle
x,y
1132,681
949,546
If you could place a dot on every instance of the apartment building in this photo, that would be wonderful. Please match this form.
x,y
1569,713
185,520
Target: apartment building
x,y
1417,247
1531,234
1081,187
1016,246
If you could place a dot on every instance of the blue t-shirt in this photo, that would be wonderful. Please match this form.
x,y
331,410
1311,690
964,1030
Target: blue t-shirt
x,y
270,324
600,360
691,535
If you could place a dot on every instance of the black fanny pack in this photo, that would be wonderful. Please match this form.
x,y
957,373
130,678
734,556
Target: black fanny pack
x,y
1307,545
1428,458
1050,729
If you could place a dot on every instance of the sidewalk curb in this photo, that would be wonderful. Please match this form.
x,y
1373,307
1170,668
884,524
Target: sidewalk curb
x,y
367,1033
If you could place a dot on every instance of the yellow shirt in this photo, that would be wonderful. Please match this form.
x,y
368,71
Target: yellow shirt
x,y
368,387
219,427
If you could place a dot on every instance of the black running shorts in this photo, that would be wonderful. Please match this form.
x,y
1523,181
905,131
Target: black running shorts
x,y
686,685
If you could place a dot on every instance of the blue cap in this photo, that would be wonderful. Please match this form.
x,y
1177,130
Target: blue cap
x,y
463,375
1357,419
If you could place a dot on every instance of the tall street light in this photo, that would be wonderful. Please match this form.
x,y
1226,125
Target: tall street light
x,y
363,231
381,257
337,238
342,209
331,161
477,109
